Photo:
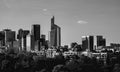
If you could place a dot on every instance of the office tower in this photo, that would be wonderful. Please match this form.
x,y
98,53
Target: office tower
x,y
7,37
84,43
25,33
2,39
91,42
22,35
19,37
36,31
101,41
99,38
16,46
87,43
43,36
42,40
104,42
32,42
37,45
55,34
28,41
35,37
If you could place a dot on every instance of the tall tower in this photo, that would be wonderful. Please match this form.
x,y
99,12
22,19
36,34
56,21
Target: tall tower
x,y
101,41
42,40
22,35
84,43
19,37
35,37
88,42
2,38
52,22
55,34
36,31
91,42
7,38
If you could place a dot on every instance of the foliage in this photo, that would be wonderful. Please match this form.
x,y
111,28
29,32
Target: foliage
x,y
25,62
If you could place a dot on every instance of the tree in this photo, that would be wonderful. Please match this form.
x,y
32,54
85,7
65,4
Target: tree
x,y
73,65
116,68
73,44
60,68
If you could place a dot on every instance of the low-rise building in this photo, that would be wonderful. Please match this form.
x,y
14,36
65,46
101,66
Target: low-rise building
x,y
51,53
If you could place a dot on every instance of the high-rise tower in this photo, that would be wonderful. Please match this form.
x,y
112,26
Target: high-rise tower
x,y
7,37
36,31
87,42
35,37
101,41
84,43
55,34
22,36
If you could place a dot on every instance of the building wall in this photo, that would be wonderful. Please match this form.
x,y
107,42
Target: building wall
x,y
88,42
36,31
84,43
35,37
101,41
91,43
55,34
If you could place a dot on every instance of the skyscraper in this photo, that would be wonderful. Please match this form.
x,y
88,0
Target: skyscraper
x,y
25,33
8,37
55,34
101,41
84,43
22,35
19,37
35,37
87,42
91,42
2,38
36,31
42,40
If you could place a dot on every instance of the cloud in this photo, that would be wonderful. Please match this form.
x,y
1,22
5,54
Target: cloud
x,y
44,9
6,3
82,22
47,12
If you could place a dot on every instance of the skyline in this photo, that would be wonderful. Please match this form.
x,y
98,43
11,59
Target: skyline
x,y
93,17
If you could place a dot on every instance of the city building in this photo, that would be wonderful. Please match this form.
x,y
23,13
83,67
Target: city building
x,y
16,46
55,34
51,53
84,43
42,40
35,37
19,37
88,43
116,46
28,42
25,33
22,37
101,41
8,37
47,44
91,42
2,39
100,56
69,53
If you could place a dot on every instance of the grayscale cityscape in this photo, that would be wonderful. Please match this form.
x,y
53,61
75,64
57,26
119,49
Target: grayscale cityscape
x,y
31,49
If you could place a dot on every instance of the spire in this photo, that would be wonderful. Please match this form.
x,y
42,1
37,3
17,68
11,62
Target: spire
x,y
52,20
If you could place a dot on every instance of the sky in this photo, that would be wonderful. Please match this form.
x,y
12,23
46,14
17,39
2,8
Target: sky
x,y
76,18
